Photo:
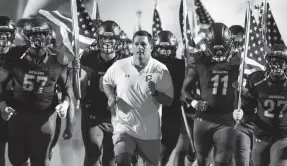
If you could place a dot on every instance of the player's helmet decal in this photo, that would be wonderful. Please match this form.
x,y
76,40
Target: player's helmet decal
x,y
165,45
218,42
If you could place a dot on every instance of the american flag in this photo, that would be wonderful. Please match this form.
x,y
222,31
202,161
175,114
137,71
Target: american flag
x,y
273,35
156,26
185,23
63,27
203,21
254,60
203,17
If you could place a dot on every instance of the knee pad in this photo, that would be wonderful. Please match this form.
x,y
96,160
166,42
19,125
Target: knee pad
x,y
223,158
124,159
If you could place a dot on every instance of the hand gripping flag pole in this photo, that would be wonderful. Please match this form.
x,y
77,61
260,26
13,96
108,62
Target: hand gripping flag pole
x,y
242,65
76,62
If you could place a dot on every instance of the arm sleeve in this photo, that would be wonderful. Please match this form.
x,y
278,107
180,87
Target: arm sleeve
x,y
165,84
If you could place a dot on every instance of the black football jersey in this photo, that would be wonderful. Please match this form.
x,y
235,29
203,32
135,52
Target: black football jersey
x,y
271,103
96,68
34,83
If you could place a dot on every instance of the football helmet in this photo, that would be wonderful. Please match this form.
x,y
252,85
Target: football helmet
x,y
38,33
237,33
276,62
108,33
218,42
7,33
165,45
127,49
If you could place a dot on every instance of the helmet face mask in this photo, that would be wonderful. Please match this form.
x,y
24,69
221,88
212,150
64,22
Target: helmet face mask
x,y
277,65
165,53
6,40
7,33
109,33
237,44
38,34
165,45
218,42
107,44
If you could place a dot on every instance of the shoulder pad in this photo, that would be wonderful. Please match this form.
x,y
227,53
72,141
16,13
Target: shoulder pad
x,y
196,58
15,53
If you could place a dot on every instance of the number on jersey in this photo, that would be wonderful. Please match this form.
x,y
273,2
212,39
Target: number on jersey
x,y
219,79
271,106
31,80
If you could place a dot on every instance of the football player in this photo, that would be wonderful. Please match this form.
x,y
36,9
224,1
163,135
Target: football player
x,y
96,119
7,38
165,47
215,72
244,132
35,71
266,92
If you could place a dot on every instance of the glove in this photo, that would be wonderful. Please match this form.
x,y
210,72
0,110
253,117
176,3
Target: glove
x,y
67,135
62,109
238,114
199,105
6,112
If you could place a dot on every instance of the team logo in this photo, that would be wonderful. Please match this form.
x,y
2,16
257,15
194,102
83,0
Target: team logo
x,y
148,78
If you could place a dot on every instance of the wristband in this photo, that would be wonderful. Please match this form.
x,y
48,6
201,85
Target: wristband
x,y
194,103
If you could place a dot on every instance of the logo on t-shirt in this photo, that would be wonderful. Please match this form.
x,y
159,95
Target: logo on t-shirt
x,y
148,78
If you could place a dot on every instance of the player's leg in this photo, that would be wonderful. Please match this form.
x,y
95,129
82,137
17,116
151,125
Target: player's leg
x,y
41,135
170,133
225,140
108,157
18,147
2,152
243,147
278,153
124,148
261,152
184,155
3,140
203,140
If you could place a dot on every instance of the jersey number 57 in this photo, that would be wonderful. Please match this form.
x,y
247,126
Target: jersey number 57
x,y
31,80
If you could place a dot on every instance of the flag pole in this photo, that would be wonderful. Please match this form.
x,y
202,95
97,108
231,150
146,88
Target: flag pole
x,y
242,65
264,22
94,14
194,19
184,6
76,62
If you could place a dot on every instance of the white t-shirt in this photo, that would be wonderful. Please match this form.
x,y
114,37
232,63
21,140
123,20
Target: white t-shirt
x,y
137,112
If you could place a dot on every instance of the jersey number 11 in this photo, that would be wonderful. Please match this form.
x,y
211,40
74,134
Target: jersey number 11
x,y
216,80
